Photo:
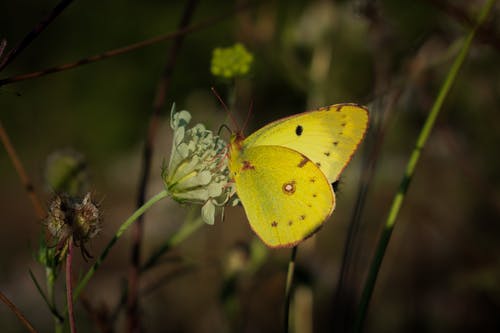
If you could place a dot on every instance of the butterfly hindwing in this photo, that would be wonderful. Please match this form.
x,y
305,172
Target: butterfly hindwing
x,y
327,136
285,195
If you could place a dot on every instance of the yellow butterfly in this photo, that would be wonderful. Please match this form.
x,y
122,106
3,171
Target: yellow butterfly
x,y
282,172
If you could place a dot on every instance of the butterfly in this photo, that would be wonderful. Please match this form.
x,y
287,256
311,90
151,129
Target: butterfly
x,y
283,172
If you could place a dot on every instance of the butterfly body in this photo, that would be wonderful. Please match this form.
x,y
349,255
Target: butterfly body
x,y
282,172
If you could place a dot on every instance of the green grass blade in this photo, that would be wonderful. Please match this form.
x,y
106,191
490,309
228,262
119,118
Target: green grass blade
x,y
410,168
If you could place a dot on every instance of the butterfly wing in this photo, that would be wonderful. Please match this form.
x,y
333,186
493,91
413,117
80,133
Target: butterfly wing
x,y
285,195
327,136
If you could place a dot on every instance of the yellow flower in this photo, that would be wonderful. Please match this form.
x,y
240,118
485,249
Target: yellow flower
x,y
231,61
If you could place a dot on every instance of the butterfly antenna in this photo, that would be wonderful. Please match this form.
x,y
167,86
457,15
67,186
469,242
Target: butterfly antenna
x,y
222,127
250,109
235,123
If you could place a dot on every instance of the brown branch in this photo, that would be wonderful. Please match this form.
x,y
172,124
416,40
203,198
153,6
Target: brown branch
x,y
25,180
13,53
125,49
17,312
158,104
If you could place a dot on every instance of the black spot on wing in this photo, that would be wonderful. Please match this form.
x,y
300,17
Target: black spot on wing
x,y
298,130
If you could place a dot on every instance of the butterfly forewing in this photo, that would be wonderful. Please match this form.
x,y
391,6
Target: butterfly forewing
x,y
327,136
285,195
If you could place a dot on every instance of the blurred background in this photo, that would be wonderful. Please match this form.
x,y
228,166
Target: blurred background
x,y
441,272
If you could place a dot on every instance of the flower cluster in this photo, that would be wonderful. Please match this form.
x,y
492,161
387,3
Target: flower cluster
x,y
197,171
231,62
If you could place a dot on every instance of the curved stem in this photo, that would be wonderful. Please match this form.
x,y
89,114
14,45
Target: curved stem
x,y
118,234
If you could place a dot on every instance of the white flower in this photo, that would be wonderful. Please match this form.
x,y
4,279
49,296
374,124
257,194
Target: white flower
x,y
197,171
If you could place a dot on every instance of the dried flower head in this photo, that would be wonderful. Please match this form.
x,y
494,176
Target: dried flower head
x,y
197,171
231,61
70,217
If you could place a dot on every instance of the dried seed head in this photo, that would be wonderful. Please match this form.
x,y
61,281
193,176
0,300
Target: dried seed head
x,y
71,217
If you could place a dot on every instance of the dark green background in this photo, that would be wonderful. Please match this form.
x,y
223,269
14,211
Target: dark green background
x,y
442,270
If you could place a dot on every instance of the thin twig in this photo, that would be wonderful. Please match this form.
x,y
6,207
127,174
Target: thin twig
x,y
411,166
13,53
3,44
158,104
50,305
17,312
69,285
125,49
288,288
25,180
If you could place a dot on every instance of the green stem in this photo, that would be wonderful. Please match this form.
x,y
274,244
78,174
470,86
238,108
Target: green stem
x,y
288,288
69,286
51,299
410,169
184,232
118,234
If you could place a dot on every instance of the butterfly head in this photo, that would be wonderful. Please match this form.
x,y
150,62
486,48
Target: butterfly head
x,y
236,140
234,151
